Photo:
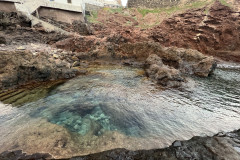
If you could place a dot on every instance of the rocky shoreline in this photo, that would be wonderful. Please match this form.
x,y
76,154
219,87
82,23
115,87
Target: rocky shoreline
x,y
29,54
27,63
224,145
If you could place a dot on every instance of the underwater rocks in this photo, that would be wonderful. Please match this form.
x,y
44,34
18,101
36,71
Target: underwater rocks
x,y
21,66
218,147
95,123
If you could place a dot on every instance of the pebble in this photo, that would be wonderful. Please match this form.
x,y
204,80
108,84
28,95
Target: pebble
x,y
76,64
55,56
177,144
21,48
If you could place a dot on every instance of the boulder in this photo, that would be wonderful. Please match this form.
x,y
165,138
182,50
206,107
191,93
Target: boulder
x,y
162,74
154,59
205,67
169,77
189,61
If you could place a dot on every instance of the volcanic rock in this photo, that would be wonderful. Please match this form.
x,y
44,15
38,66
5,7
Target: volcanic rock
x,y
21,67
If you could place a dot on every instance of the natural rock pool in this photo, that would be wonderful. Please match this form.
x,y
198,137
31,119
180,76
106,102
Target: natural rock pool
x,y
118,107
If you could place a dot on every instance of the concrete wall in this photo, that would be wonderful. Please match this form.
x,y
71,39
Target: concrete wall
x,y
91,7
60,15
74,2
151,3
7,7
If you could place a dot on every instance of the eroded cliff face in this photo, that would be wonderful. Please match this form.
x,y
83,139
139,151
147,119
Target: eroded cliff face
x,y
214,31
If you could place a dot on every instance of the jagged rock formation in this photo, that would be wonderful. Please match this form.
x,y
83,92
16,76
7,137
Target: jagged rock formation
x,y
213,31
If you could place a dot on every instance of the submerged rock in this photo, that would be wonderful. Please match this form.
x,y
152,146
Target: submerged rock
x,y
197,148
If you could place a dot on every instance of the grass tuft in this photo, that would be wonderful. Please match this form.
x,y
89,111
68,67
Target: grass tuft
x,y
171,10
223,2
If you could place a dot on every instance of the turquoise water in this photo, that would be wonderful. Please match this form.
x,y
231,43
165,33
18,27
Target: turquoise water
x,y
115,99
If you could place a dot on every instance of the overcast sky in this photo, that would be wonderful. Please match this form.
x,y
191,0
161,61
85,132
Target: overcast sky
x,y
124,2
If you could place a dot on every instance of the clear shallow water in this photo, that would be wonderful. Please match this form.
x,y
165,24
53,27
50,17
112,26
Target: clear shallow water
x,y
116,107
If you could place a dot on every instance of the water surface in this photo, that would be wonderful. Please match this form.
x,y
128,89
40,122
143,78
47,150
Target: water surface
x,y
118,107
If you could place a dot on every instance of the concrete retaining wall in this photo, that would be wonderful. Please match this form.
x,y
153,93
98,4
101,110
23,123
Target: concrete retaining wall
x,y
60,15
151,3
7,6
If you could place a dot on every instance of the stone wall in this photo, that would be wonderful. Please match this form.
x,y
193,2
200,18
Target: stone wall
x,y
151,3
60,15
7,7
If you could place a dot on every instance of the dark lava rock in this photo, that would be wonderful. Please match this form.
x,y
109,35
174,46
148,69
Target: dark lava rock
x,y
163,74
19,155
197,148
3,40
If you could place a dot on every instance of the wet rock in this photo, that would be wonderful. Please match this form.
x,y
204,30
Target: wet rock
x,y
197,148
205,67
82,72
163,74
189,61
17,155
169,77
177,144
154,59
21,66
3,40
